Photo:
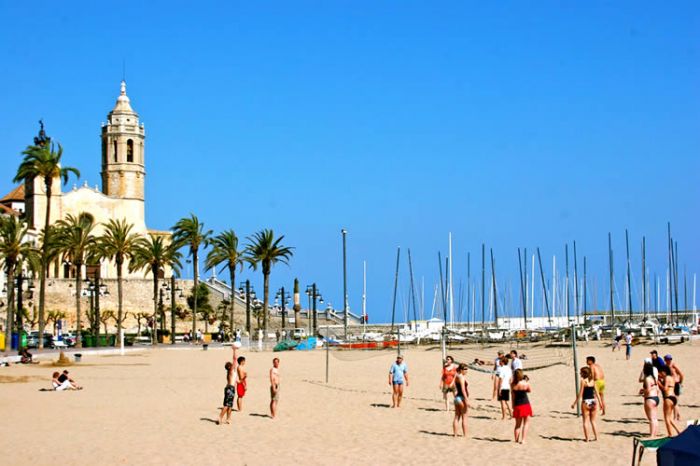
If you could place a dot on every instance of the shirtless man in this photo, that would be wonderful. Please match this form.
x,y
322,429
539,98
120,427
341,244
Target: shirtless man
x,y
678,377
274,387
599,378
229,390
241,382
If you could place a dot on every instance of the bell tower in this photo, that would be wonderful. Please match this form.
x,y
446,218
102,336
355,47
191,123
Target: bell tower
x,y
123,170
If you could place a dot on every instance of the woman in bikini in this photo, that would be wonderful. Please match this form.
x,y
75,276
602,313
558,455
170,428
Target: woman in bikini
x,y
668,384
522,411
461,399
449,371
650,391
590,401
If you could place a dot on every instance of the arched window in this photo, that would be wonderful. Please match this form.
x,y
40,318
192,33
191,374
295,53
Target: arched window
x,y
130,150
114,144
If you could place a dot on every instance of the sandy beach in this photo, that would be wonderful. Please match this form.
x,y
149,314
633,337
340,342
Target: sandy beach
x,y
160,406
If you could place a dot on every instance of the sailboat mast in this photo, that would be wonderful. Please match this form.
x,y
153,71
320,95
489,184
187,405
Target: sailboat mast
x,y
483,285
523,287
644,277
629,278
612,279
451,295
544,287
364,296
576,287
495,288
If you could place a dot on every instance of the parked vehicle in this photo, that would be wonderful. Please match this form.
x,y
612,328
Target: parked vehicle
x,y
33,340
299,333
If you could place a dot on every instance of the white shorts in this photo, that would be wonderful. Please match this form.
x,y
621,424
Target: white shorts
x,y
66,385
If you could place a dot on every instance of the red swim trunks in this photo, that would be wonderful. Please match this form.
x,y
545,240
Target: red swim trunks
x,y
240,389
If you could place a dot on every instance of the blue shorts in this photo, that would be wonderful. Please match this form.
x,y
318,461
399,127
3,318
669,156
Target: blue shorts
x,y
397,382
458,400
629,349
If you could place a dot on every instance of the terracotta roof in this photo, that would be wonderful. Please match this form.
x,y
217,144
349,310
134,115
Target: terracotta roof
x,y
16,194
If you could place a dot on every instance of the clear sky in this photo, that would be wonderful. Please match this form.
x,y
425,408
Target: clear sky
x,y
517,124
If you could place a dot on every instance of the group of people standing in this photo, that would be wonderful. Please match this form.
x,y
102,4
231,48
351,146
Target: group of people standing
x,y
237,386
661,381
510,387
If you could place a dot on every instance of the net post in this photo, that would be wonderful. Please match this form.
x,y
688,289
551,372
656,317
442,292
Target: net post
x,y
576,381
328,346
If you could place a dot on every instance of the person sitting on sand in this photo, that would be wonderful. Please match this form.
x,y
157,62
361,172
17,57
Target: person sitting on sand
x,y
229,390
461,400
63,381
501,386
479,362
590,401
522,410
398,377
449,371
241,382
25,356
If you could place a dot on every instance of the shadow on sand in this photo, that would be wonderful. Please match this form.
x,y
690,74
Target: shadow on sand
x,y
260,415
622,433
432,410
206,419
439,434
561,439
492,439
625,420
380,405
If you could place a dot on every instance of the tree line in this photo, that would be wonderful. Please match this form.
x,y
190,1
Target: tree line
x,y
73,240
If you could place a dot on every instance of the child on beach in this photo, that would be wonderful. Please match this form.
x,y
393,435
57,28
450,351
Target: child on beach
x,y
461,399
590,401
229,390
522,410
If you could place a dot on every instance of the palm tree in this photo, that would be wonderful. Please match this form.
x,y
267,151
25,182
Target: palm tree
x,y
153,254
43,161
117,244
52,317
75,241
264,249
190,232
225,250
14,250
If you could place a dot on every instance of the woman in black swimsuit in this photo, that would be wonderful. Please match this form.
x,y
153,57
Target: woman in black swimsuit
x,y
590,401
668,383
461,400
650,391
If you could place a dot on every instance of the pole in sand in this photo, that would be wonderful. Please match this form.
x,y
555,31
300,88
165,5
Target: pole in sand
x,y
328,346
576,381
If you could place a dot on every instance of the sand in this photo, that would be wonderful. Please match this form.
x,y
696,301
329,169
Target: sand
x,y
160,406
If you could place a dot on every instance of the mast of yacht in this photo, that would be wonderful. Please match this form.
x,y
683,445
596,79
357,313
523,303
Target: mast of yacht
x,y
644,277
629,278
364,296
566,283
576,287
532,291
495,289
554,286
612,279
523,287
450,285
544,287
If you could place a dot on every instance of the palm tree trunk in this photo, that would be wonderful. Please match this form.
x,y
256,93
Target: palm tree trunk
x,y
44,262
266,292
155,303
10,306
232,274
78,285
196,282
120,314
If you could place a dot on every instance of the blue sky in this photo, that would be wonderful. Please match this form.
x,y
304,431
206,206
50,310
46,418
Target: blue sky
x,y
517,124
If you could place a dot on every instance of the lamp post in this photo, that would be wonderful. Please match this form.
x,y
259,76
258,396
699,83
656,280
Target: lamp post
x,y
314,294
172,288
284,297
249,294
95,287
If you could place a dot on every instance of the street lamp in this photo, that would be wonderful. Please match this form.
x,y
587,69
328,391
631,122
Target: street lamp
x,y
249,293
95,288
172,288
285,300
314,294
